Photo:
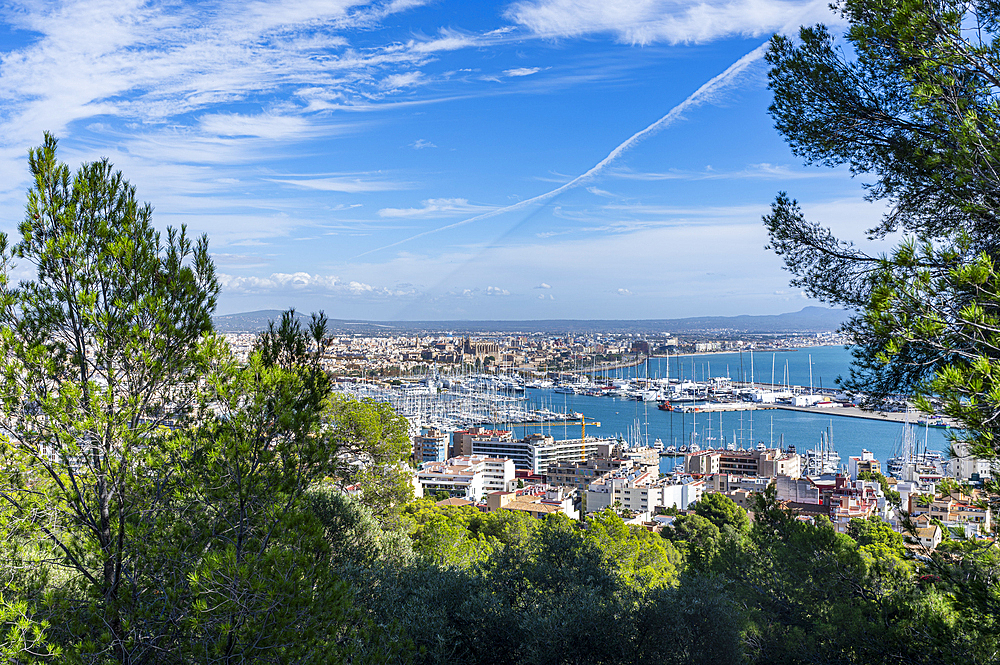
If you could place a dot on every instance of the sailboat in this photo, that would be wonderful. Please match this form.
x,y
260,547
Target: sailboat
x,y
822,459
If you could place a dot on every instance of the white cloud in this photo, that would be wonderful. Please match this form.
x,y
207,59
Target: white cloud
x,y
522,71
623,292
402,80
448,41
650,21
543,285
710,260
298,280
262,126
420,144
239,260
763,171
303,282
346,184
148,67
496,291
435,208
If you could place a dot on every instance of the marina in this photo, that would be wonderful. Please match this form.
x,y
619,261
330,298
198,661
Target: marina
x,y
629,405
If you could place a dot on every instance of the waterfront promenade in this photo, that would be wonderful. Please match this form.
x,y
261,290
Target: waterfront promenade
x,y
855,412
837,410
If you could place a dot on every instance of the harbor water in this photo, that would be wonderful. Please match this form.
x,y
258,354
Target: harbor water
x,y
641,422
791,366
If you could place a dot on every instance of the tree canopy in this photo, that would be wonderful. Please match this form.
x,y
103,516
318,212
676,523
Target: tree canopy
x,y
722,511
153,488
908,101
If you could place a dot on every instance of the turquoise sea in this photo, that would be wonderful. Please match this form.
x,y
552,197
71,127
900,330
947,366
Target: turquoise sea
x,y
642,420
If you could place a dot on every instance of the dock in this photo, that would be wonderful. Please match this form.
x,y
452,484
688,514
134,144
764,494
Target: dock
x,y
589,423
723,406
838,410
855,412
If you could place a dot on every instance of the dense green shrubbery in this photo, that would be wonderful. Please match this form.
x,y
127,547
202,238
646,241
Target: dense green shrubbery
x,y
504,587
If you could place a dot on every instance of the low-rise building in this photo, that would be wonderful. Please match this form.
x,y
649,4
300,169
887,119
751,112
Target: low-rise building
x,y
462,440
581,474
610,457
958,510
537,452
681,492
727,482
468,476
743,498
964,466
431,446
767,463
836,496
554,500
929,536
861,463
852,500
642,491
797,490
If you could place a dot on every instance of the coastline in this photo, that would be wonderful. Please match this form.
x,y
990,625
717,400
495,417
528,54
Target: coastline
x,y
692,354
722,353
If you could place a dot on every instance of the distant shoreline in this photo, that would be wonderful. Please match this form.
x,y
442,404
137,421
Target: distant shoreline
x,y
719,353
640,361
810,319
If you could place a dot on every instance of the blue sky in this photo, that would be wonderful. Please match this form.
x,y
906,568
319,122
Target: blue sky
x,y
421,160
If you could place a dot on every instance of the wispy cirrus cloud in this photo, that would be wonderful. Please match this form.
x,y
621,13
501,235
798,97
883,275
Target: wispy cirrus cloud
x,y
402,80
156,64
761,171
347,183
448,40
650,21
265,125
522,71
435,208
705,93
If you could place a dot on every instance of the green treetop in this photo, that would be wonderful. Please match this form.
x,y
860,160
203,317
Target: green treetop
x,y
98,354
909,101
152,487
722,511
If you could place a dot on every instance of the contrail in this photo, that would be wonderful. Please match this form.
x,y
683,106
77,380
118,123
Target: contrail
x,y
699,96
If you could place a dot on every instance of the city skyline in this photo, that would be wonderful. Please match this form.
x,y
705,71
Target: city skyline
x,y
544,159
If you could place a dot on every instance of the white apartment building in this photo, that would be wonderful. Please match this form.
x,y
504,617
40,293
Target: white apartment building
x,y
470,476
767,463
537,451
963,465
643,491
864,462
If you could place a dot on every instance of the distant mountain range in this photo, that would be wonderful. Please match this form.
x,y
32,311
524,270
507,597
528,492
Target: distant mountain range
x,y
806,320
